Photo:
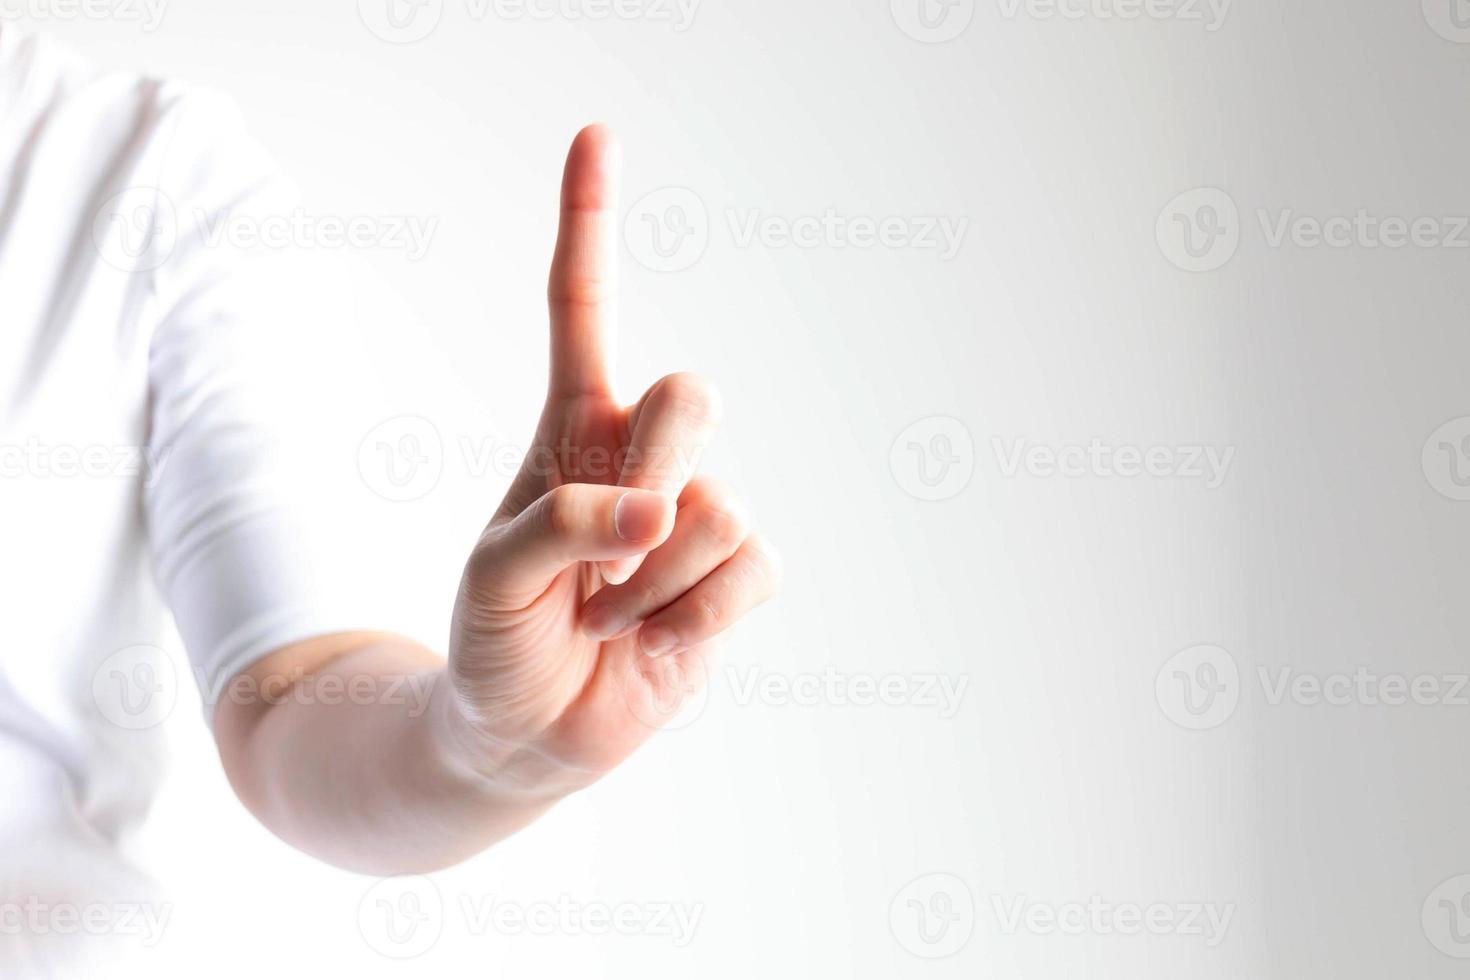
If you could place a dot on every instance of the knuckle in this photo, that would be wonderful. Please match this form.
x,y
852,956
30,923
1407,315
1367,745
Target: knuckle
x,y
708,611
650,595
701,489
579,291
689,396
722,519
559,510
485,554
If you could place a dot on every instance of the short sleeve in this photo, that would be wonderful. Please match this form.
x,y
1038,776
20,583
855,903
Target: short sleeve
x,y
249,550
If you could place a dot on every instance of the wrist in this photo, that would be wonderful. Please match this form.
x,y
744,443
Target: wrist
x,y
506,770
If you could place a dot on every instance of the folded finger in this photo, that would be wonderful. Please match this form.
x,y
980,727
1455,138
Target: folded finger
x,y
708,529
744,581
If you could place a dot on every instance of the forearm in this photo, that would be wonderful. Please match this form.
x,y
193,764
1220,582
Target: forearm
x,y
352,749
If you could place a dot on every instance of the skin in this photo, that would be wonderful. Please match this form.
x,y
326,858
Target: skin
x,y
598,590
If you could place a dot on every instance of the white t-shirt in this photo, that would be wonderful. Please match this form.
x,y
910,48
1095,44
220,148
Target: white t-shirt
x,y
148,453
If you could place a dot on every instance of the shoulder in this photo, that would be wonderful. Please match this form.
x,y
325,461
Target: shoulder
x,y
100,127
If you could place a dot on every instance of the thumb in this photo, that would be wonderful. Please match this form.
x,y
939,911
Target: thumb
x,y
571,523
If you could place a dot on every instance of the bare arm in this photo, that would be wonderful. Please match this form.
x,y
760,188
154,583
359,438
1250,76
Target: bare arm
x,y
598,588
350,748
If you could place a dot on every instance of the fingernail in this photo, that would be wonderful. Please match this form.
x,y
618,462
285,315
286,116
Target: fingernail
x,y
606,622
656,641
614,573
639,515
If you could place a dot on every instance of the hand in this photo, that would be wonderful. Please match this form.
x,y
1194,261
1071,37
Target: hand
x,y
603,580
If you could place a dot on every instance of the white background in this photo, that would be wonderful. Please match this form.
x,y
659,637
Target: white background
x,y
1067,315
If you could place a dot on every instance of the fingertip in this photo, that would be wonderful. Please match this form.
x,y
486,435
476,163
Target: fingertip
x,y
592,169
598,135
619,570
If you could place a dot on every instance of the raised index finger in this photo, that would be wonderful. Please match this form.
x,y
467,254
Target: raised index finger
x,y
584,269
